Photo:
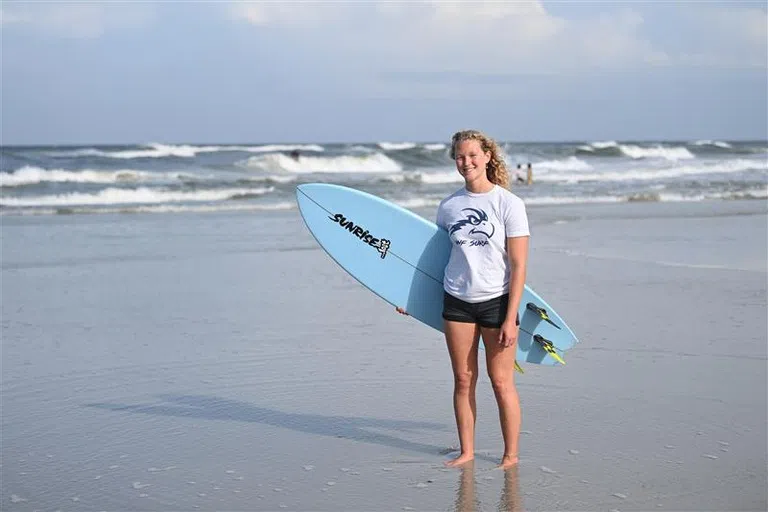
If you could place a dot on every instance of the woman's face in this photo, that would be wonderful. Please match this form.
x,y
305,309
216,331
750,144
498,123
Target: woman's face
x,y
471,160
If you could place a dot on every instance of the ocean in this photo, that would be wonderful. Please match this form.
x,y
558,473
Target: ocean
x,y
168,178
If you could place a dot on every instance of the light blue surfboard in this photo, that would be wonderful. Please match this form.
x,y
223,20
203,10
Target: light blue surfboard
x,y
401,257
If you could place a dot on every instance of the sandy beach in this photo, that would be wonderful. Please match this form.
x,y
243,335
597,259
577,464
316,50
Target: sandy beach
x,y
221,361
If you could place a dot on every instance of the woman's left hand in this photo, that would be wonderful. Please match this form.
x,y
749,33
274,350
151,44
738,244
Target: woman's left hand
x,y
508,334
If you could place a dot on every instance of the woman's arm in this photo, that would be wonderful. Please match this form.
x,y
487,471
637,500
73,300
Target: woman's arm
x,y
517,252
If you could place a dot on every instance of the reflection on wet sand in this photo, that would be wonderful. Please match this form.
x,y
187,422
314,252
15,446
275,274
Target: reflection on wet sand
x,y
466,497
510,500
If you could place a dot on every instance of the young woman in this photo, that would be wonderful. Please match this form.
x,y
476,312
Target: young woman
x,y
483,285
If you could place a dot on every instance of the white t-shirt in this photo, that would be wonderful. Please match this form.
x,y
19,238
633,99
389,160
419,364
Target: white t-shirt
x,y
479,225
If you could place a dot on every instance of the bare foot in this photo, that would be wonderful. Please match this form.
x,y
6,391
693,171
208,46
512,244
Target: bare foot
x,y
508,462
460,460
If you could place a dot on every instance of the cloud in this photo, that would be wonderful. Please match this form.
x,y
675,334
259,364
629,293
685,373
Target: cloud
x,y
290,14
732,37
493,37
75,20
744,25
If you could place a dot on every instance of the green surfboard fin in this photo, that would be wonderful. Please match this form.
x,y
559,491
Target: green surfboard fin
x,y
542,313
548,347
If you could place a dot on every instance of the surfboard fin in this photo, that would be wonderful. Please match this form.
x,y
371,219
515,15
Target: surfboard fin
x,y
542,313
518,367
548,347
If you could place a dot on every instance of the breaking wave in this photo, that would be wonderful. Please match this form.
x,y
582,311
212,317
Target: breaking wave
x,y
278,162
613,148
29,175
142,195
156,150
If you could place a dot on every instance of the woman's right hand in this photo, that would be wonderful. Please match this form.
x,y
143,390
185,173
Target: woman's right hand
x,y
401,311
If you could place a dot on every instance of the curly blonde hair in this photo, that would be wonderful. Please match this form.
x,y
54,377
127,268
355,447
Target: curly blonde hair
x,y
496,168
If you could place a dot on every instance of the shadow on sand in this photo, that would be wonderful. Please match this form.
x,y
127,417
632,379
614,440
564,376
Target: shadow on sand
x,y
358,429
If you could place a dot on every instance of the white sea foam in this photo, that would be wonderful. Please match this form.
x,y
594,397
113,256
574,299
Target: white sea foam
x,y
599,145
606,144
162,208
277,162
567,164
272,177
30,175
717,143
157,150
154,150
435,147
658,151
361,149
436,178
396,146
666,197
314,148
636,152
648,174
141,195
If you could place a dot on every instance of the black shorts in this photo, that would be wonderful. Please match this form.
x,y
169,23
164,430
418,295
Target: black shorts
x,y
490,313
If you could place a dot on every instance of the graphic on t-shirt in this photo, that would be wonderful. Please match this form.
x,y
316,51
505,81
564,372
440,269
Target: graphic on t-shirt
x,y
477,224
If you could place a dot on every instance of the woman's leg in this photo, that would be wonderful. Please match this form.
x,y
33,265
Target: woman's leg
x,y
462,340
501,370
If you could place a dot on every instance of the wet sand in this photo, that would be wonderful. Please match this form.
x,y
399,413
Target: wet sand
x,y
224,362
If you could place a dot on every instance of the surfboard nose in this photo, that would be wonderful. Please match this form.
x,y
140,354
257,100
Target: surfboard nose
x,y
303,194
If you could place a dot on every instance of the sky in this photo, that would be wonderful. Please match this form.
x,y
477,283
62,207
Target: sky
x,y
253,72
